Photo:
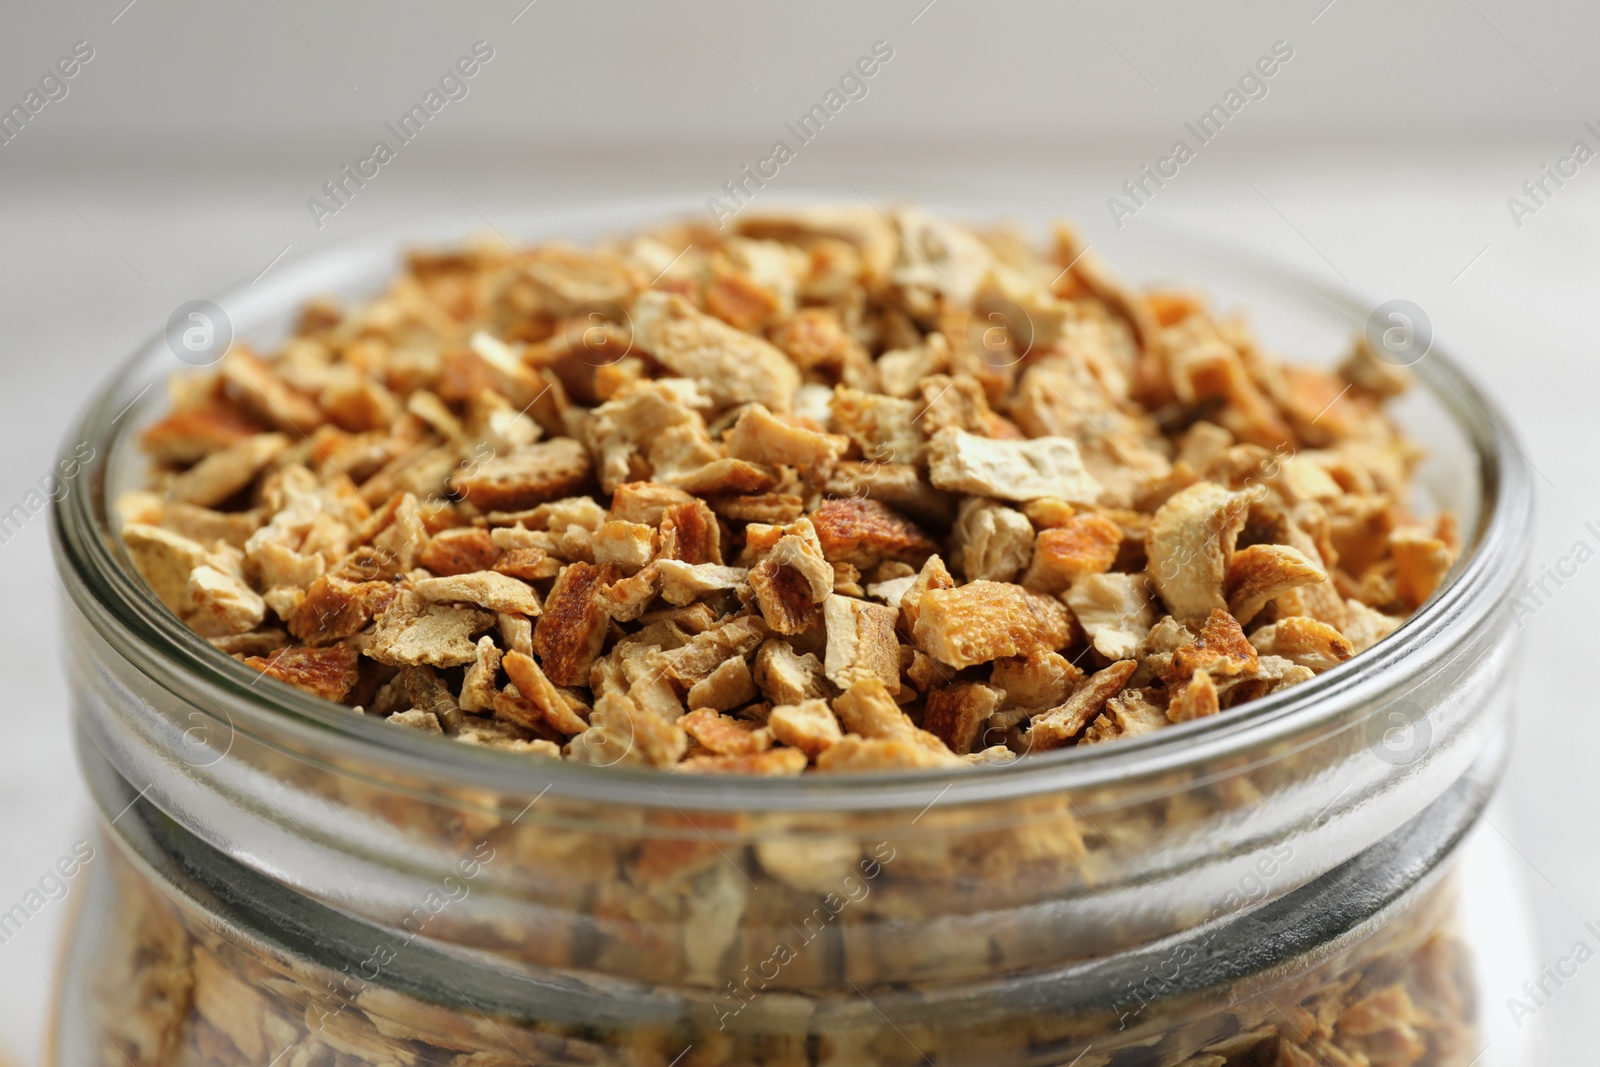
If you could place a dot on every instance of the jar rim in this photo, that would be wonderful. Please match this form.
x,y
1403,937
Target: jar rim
x,y
122,609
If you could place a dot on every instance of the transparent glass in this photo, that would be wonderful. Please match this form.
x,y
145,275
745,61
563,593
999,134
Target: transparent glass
x,y
289,881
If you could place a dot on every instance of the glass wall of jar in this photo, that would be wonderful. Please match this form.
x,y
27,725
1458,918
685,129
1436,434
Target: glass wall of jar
x,y
186,957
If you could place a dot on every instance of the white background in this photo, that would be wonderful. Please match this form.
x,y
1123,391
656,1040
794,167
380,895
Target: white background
x,y
1383,156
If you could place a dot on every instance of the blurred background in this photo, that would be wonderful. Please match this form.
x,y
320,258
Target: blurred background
x,y
1405,151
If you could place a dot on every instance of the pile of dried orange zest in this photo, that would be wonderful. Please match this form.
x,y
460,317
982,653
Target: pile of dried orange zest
x,y
836,491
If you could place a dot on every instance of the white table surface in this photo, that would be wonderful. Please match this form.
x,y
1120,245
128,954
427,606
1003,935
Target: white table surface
x,y
95,256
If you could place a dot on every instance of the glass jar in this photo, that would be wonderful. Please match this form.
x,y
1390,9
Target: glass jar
x,y
281,880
